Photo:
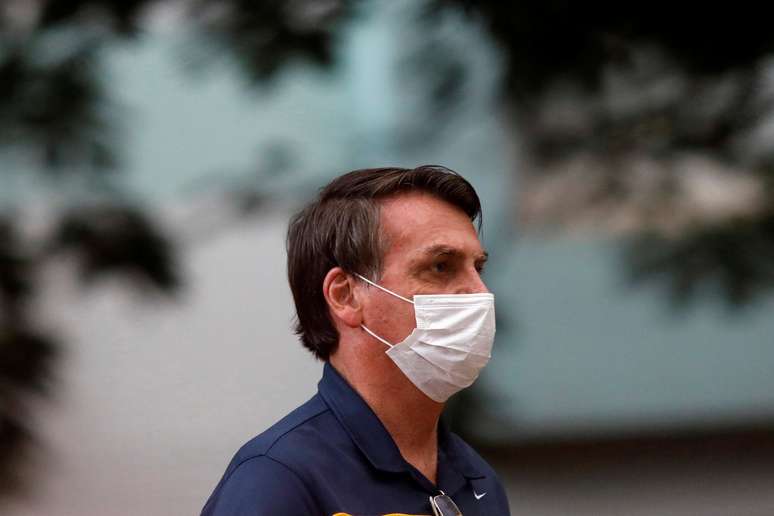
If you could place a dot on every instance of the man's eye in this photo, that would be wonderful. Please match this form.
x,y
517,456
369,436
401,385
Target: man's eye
x,y
440,267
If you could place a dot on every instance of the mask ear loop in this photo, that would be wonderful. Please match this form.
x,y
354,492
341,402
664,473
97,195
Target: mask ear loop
x,y
377,337
372,334
384,289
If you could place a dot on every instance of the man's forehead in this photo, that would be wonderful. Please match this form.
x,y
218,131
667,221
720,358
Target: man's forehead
x,y
419,210
416,203
421,223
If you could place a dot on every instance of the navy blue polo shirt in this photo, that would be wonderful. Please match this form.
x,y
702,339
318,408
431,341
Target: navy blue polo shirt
x,y
332,456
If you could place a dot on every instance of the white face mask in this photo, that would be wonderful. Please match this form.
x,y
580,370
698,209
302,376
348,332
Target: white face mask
x,y
450,345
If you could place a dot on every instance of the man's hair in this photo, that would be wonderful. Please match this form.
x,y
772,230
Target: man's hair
x,y
340,228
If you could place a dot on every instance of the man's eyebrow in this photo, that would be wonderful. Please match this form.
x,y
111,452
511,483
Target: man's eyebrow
x,y
446,250
440,249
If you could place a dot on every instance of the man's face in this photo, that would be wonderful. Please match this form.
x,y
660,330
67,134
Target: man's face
x,y
432,248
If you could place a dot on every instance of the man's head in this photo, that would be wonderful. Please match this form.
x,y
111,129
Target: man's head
x,y
410,229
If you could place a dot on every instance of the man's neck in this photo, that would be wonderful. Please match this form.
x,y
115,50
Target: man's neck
x,y
410,417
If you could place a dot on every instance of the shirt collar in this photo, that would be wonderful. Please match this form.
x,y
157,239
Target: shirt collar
x,y
370,435
457,452
360,422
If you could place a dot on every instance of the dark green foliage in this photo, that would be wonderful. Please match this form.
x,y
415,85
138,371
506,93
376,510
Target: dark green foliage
x,y
16,283
53,110
711,62
122,17
546,41
108,240
26,355
263,37
733,261
117,240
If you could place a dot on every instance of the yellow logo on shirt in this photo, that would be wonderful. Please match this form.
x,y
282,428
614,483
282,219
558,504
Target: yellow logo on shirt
x,y
391,514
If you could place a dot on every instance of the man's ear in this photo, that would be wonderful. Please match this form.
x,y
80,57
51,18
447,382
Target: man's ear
x,y
339,292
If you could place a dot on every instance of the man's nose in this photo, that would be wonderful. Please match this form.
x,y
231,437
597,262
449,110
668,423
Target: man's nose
x,y
472,283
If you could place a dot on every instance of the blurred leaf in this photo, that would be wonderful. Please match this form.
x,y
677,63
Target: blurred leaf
x,y
118,240
16,282
264,37
735,259
122,16
15,443
55,110
544,41
27,360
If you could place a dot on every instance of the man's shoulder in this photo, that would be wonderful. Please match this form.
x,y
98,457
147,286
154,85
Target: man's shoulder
x,y
291,427
264,470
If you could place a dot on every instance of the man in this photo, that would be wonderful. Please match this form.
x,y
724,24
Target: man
x,y
385,269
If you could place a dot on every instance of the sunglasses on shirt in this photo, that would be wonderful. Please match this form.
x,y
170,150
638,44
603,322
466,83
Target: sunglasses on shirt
x,y
443,505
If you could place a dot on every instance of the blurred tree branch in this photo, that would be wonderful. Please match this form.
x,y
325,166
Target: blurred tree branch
x,y
630,115
56,117
107,240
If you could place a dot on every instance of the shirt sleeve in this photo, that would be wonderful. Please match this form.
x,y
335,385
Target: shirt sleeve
x,y
260,486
